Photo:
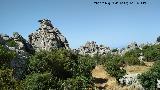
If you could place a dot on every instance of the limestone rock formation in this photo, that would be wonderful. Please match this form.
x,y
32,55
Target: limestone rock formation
x,y
47,37
5,37
132,81
22,48
22,43
92,48
131,46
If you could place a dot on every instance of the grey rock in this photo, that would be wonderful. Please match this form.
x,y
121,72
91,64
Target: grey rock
x,y
22,44
158,84
131,81
92,48
6,37
22,49
47,37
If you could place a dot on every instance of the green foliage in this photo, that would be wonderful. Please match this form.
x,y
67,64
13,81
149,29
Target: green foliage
x,y
11,43
15,33
112,64
6,80
63,65
58,62
149,78
84,65
38,81
131,57
77,83
151,53
115,50
158,39
6,56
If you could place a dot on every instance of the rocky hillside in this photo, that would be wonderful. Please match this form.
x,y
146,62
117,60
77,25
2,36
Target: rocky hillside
x,y
46,62
46,37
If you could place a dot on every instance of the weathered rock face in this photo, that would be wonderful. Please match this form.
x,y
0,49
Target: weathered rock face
x,y
132,81
92,48
131,46
22,43
22,48
47,37
128,79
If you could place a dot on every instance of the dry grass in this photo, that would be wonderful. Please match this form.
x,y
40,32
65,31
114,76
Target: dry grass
x,y
138,69
99,72
111,84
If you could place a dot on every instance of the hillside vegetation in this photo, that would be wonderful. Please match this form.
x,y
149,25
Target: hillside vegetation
x,y
62,69
46,62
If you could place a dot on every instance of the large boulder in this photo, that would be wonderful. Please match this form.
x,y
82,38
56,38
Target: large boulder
x,y
47,37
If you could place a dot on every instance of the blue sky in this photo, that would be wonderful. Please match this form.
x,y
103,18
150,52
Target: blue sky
x,y
82,20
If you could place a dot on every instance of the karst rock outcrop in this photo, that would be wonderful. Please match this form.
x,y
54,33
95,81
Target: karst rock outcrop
x,y
92,48
22,48
47,37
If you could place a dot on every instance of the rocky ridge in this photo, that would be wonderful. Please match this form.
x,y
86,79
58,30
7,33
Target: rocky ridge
x,y
92,48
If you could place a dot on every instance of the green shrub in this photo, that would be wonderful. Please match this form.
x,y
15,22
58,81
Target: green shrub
x,y
6,80
6,56
84,65
149,78
77,83
38,81
151,53
115,50
63,65
58,62
131,57
158,39
11,43
112,64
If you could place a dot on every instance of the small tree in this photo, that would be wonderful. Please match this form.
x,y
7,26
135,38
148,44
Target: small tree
x,y
112,64
158,39
11,43
131,57
151,53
